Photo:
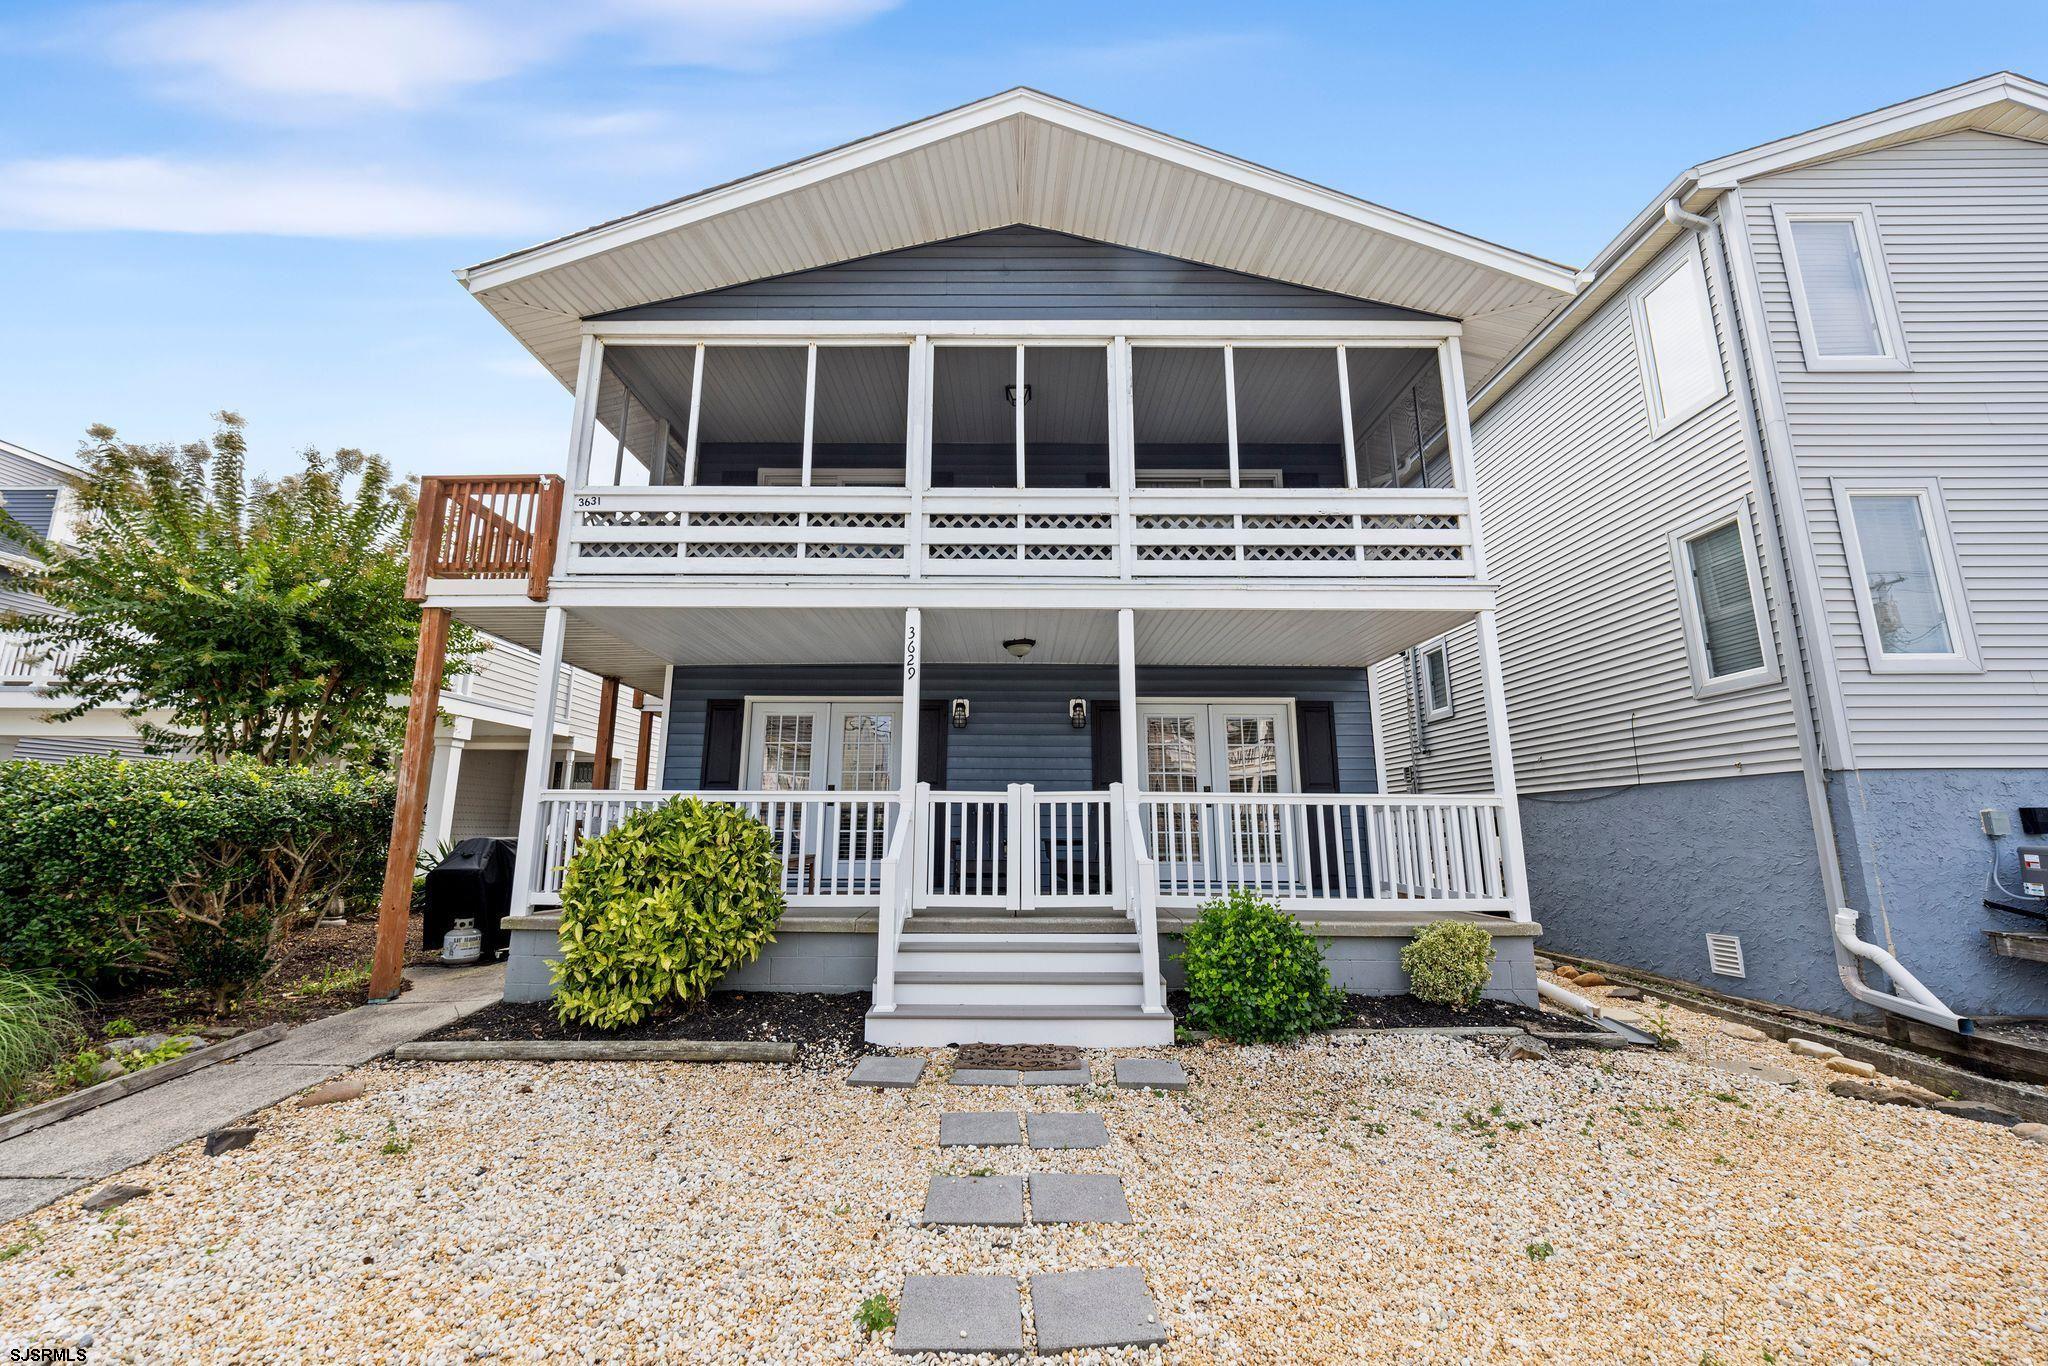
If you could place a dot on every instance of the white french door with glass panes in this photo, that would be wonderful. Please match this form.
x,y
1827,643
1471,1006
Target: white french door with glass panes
x,y
1189,749
844,747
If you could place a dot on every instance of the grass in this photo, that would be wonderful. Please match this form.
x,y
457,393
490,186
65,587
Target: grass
x,y
39,1025
332,980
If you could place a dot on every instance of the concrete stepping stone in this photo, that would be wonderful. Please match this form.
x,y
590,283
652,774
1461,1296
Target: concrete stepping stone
x,y
993,1129
1151,1074
1106,1307
1067,1198
1059,1076
986,1076
886,1072
1079,1130
959,1314
987,1200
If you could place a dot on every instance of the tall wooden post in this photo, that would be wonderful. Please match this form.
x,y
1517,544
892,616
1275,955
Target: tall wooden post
x,y
415,768
607,725
642,750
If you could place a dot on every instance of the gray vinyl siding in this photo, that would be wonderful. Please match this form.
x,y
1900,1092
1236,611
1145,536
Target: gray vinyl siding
x,y
1454,756
1015,272
487,791
55,749
1018,730
32,507
1963,222
1580,502
17,473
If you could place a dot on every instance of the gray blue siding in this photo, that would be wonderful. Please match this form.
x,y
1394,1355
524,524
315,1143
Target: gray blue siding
x,y
1015,272
1018,731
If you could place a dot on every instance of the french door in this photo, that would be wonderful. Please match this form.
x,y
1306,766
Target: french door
x,y
1191,749
845,747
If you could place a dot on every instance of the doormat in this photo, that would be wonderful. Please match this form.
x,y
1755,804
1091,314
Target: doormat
x,y
1024,1057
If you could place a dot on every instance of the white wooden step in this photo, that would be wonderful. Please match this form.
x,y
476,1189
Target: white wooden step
x,y
934,1026
1002,990
995,957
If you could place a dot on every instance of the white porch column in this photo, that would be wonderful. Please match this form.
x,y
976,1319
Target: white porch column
x,y
1127,699
540,746
1500,748
913,652
442,781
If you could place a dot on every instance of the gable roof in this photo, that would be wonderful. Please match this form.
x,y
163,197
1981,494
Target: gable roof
x,y
2003,102
59,471
1020,157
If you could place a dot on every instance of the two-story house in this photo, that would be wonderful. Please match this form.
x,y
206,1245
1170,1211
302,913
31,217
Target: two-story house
x,y
1769,505
1008,508
481,746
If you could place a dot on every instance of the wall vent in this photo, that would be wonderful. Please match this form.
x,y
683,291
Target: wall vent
x,y
1724,955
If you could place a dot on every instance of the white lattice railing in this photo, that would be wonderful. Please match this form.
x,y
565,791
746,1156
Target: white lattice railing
x,y
23,664
1307,850
1051,533
832,845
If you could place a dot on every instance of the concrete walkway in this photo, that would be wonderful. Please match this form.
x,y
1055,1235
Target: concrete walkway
x,y
38,1167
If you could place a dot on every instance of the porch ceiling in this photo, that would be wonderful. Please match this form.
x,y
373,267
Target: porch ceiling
x,y
635,643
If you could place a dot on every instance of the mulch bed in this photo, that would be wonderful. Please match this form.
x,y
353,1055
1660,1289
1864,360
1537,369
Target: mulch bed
x,y
1405,1012
827,1030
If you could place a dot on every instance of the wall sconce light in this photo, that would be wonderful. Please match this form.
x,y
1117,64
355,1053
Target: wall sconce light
x,y
1077,712
1019,647
959,713
1010,394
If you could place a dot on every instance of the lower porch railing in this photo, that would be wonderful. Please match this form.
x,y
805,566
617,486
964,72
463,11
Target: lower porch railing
x,y
1021,850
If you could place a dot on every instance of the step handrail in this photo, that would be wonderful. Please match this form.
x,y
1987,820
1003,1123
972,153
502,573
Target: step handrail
x,y
1144,907
895,904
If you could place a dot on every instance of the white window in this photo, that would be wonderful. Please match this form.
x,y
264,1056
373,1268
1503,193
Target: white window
x,y
1907,581
1720,597
1675,338
1841,295
1436,680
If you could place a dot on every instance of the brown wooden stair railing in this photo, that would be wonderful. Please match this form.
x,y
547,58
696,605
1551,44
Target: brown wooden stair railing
x,y
486,527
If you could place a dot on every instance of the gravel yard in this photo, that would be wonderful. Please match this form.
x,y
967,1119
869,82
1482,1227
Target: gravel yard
x,y
1405,1198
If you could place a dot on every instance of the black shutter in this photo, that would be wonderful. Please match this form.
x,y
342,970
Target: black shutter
x,y
724,739
1105,747
933,730
1317,722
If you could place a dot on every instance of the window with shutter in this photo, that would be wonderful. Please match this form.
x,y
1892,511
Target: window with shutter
x,y
1720,585
1675,337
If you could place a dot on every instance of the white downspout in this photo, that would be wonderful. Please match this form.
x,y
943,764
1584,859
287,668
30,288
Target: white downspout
x,y
1916,1002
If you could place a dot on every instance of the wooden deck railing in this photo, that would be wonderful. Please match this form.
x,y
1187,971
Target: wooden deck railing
x,y
491,527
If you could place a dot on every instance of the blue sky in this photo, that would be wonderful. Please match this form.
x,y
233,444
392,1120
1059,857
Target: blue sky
x,y
258,204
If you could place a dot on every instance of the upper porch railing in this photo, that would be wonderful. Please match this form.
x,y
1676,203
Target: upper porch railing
x,y
492,527
24,664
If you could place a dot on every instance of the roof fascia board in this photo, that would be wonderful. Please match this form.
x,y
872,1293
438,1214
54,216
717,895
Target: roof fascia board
x,y
1837,139
64,469
868,151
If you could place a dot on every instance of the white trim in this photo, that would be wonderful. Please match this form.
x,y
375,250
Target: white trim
x,y
1963,656
1290,747
1014,103
1011,332
1251,595
1687,259
1430,710
1704,682
1877,283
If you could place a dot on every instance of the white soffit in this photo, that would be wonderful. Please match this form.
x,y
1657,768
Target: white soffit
x,y
1020,157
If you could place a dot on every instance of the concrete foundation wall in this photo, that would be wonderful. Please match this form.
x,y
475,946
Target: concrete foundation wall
x,y
1915,860
826,961
1641,875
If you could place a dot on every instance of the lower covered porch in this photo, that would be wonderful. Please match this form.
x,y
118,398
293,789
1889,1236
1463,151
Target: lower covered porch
x,y
1001,825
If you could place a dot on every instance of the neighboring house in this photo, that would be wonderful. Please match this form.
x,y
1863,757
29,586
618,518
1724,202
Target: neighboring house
x,y
1769,508
480,750
1008,508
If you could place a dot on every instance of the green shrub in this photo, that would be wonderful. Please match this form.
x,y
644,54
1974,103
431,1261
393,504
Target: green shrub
x,y
39,1025
113,871
1449,963
1254,975
662,906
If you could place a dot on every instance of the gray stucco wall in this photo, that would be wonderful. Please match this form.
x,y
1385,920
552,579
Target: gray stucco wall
x,y
1914,861
1018,731
1641,875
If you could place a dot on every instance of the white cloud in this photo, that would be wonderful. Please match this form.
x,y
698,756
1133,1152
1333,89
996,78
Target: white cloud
x,y
735,34
155,194
375,52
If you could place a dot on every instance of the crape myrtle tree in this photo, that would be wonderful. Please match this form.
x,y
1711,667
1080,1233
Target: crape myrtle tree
x,y
228,615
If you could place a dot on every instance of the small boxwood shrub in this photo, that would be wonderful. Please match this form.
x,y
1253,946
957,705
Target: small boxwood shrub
x,y
116,871
662,906
1449,963
1254,975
